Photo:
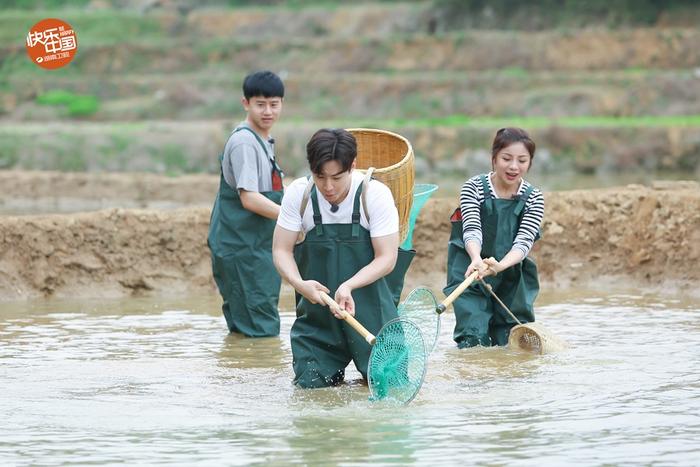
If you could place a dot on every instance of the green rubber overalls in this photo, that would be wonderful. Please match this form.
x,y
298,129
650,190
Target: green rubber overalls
x,y
322,345
241,254
480,320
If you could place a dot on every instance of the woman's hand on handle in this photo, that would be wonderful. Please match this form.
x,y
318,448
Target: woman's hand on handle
x,y
475,265
491,268
474,252
513,257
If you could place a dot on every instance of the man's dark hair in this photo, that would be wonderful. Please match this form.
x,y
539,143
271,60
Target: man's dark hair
x,y
331,144
262,83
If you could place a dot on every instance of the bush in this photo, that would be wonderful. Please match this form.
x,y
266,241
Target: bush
x,y
76,105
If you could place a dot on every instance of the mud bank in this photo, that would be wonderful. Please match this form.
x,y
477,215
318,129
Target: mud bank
x,y
63,192
634,236
643,237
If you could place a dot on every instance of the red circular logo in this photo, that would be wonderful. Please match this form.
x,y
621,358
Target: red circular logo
x,y
52,43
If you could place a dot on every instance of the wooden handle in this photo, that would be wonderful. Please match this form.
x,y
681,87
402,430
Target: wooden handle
x,y
490,290
368,336
457,292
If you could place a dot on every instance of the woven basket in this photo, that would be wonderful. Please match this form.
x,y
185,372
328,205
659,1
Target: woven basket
x,y
392,157
535,338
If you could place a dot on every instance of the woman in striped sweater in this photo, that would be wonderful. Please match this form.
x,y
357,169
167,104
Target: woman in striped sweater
x,y
493,230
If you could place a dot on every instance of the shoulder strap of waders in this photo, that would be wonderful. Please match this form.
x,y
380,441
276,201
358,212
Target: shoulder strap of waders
x,y
488,195
356,210
521,205
310,185
257,136
318,221
275,167
522,199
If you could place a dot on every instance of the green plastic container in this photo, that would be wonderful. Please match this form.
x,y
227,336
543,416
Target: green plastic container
x,y
421,193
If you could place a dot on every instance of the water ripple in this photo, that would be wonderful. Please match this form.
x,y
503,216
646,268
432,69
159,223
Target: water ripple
x,y
146,382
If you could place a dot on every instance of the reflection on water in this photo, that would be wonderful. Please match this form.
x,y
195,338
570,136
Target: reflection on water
x,y
238,351
153,381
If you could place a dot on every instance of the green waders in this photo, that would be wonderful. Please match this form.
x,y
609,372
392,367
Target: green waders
x,y
480,319
241,254
322,345
395,278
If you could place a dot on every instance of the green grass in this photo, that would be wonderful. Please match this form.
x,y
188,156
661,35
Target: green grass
x,y
172,157
77,105
525,122
665,121
56,97
516,72
9,152
91,27
39,4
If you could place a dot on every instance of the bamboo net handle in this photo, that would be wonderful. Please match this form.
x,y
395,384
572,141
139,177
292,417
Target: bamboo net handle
x,y
457,292
368,336
490,289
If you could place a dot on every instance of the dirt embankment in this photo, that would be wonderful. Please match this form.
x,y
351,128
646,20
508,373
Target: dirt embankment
x,y
632,236
79,191
628,236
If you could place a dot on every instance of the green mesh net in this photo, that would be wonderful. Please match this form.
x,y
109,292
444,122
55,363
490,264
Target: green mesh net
x,y
420,307
397,362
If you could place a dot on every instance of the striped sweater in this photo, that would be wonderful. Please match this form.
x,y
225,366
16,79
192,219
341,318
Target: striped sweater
x,y
472,197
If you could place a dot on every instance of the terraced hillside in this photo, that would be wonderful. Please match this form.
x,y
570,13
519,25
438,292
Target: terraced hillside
x,y
156,85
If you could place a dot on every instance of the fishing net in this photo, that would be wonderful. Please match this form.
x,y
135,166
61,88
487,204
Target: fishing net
x,y
420,307
535,338
530,337
397,363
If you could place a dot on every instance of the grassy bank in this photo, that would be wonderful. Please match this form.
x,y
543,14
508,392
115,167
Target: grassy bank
x,y
587,146
605,87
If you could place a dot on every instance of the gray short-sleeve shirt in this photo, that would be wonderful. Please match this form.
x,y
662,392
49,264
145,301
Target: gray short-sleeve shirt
x,y
245,165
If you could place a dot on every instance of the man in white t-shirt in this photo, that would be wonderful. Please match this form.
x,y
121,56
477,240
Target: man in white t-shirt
x,y
350,246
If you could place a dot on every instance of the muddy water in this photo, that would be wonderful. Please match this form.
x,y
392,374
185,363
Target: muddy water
x,y
156,381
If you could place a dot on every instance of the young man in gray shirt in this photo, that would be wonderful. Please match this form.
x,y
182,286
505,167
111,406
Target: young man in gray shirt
x,y
245,211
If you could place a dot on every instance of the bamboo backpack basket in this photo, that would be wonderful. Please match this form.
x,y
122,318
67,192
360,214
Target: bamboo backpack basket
x,y
392,158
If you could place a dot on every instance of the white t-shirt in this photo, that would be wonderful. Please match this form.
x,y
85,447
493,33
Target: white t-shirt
x,y
383,216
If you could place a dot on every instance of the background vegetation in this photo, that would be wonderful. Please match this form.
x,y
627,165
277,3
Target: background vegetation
x,y
610,89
